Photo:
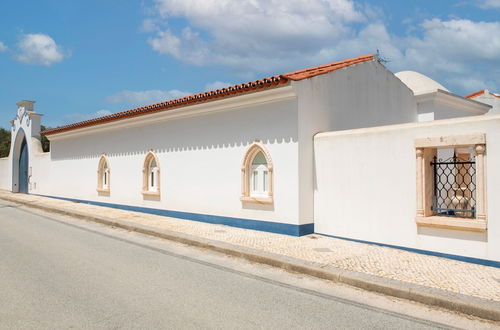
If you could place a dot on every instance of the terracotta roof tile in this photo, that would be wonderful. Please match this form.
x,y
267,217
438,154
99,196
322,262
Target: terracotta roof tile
x,y
470,96
251,86
481,92
322,69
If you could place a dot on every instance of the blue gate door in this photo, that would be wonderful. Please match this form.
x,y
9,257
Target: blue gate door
x,y
23,168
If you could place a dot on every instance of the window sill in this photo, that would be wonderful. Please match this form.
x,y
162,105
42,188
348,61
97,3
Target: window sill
x,y
257,200
452,223
151,193
102,191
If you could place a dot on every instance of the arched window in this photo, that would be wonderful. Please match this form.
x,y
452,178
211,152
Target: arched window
x,y
103,175
257,175
151,175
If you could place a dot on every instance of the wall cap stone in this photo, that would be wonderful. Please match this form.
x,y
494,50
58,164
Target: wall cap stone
x,y
451,141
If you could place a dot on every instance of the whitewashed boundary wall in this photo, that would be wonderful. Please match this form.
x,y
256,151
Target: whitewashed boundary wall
x,y
365,187
362,95
200,159
5,171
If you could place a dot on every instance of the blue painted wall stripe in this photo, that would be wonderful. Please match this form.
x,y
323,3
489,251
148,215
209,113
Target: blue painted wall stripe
x,y
272,227
484,262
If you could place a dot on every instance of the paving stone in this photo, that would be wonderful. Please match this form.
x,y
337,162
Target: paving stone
x,y
434,272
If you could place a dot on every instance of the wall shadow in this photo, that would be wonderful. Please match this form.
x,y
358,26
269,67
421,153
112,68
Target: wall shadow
x,y
272,123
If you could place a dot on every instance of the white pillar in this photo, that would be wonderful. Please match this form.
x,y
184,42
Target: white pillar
x,y
420,181
480,182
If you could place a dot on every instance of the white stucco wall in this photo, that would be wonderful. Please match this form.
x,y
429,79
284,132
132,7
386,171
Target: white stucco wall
x,y
435,111
366,186
491,99
200,161
445,105
5,171
363,95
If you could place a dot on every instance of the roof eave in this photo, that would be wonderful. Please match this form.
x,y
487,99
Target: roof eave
x,y
283,92
199,98
240,89
450,99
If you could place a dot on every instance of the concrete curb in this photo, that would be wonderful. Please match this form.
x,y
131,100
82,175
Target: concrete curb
x,y
434,297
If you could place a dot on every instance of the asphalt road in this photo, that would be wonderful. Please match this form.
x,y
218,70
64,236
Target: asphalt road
x,y
57,274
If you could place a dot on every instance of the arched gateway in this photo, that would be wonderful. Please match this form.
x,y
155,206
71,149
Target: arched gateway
x,y
25,126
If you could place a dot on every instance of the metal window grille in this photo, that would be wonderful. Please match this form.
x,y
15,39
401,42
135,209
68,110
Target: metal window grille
x,y
454,187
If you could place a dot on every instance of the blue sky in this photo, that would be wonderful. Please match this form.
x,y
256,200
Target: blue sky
x,y
80,59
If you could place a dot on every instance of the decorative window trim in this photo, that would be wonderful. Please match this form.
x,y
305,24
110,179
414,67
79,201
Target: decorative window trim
x,y
425,150
145,175
246,170
150,193
100,184
452,223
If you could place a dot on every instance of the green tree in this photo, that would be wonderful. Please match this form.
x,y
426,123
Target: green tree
x,y
45,141
5,142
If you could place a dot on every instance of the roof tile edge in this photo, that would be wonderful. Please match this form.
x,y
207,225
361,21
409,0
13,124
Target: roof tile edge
x,y
481,92
326,68
269,82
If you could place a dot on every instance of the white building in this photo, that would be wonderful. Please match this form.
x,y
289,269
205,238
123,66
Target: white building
x,y
435,102
250,156
487,97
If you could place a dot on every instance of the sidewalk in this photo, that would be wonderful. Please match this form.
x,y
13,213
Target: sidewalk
x,y
469,288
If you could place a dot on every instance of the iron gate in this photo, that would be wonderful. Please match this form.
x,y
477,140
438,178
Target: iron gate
x,y
454,187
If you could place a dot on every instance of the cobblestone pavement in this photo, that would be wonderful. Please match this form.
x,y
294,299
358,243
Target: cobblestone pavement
x,y
441,273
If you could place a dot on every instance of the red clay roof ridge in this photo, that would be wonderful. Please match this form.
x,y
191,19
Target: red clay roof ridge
x,y
325,68
481,92
247,87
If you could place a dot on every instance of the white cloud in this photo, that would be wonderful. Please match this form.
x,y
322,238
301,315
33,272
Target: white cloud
x,y
200,11
257,36
216,85
456,51
166,43
39,49
453,44
486,4
149,25
77,117
3,48
102,113
248,32
139,98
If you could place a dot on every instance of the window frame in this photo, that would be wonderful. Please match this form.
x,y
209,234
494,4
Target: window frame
x,y
258,188
146,175
103,160
247,176
425,150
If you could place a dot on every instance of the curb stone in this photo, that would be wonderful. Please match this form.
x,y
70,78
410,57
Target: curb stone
x,y
433,297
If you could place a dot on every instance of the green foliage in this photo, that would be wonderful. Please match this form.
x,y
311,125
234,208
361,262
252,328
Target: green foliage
x,y
45,141
4,142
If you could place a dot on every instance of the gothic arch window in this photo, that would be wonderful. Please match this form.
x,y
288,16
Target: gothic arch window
x,y
103,175
257,175
151,175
